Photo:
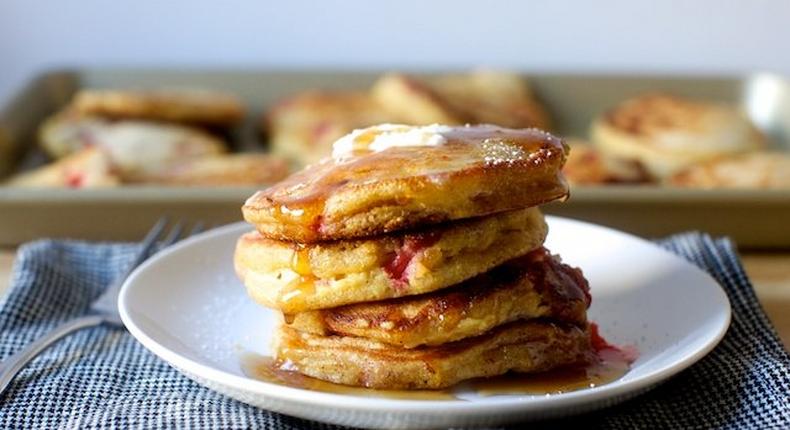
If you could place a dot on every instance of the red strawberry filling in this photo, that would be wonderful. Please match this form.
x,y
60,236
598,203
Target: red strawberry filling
x,y
398,263
548,270
75,179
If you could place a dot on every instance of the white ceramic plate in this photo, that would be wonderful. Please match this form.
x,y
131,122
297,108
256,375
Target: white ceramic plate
x,y
186,305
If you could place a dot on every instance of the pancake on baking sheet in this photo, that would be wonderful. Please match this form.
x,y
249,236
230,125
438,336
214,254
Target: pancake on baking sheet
x,y
135,148
587,165
206,108
414,101
534,286
522,346
479,97
757,170
303,127
667,133
87,168
296,277
390,177
67,132
221,170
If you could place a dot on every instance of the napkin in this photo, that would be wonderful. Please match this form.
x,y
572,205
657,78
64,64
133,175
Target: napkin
x,y
102,378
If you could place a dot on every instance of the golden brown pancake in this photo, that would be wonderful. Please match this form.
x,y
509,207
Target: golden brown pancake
x,y
304,127
439,174
523,346
296,277
758,170
201,107
491,97
480,97
414,101
221,170
534,286
666,133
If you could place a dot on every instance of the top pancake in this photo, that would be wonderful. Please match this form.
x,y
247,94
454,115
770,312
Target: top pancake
x,y
389,178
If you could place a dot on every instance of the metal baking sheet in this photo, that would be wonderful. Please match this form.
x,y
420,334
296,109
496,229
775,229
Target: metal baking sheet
x,y
754,218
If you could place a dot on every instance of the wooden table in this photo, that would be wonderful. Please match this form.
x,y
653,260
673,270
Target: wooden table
x,y
769,272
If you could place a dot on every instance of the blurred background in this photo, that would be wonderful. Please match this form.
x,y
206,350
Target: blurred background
x,y
268,87
608,35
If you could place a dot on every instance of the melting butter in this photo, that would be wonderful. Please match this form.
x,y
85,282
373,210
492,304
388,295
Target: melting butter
x,y
384,136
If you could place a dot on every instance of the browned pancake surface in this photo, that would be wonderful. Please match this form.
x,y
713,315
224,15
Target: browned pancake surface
x,y
479,170
536,285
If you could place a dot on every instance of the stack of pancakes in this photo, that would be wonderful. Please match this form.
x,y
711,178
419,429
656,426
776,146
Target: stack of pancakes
x,y
413,259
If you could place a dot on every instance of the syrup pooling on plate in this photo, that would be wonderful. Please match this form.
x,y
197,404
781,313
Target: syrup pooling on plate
x,y
301,199
270,370
607,363
602,369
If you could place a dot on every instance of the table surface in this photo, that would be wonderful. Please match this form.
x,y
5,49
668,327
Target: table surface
x,y
769,272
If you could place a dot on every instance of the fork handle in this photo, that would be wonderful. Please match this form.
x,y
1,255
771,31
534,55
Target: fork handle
x,y
13,364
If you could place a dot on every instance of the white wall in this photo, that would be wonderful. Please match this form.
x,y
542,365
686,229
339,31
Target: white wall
x,y
624,35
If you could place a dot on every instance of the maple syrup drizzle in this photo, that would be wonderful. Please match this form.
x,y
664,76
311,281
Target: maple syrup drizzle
x,y
304,285
299,290
605,368
300,262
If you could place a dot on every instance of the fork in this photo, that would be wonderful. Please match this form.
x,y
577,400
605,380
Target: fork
x,y
103,310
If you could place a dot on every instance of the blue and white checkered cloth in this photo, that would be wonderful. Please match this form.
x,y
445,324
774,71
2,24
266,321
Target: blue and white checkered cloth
x,y
102,378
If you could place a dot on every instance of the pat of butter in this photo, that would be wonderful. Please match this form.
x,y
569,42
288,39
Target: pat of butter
x,y
384,136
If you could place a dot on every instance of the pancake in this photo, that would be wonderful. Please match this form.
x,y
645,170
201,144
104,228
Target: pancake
x,y
414,101
586,165
667,133
141,148
221,170
87,168
491,97
135,148
297,277
758,170
534,286
67,132
389,178
192,106
303,128
524,346
480,97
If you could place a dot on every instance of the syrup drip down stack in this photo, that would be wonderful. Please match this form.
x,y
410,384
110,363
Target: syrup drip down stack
x,y
413,258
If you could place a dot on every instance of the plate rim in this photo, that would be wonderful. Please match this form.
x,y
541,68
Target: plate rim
x,y
504,405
